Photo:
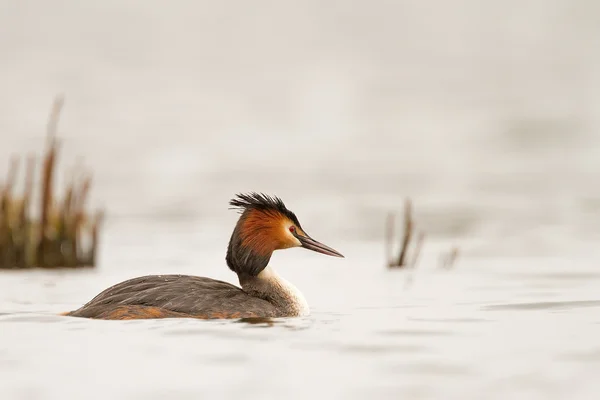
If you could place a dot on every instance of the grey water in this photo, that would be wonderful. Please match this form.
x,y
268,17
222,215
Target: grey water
x,y
485,114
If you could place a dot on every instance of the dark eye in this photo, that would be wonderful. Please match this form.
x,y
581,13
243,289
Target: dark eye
x,y
293,229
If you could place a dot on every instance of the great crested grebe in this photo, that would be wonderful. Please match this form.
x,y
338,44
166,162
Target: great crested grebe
x,y
265,225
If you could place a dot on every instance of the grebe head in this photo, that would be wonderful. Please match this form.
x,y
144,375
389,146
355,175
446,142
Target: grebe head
x,y
265,225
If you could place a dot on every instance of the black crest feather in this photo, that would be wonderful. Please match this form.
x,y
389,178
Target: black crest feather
x,y
260,201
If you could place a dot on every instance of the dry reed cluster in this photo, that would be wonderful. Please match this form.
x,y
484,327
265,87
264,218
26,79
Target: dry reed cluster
x,y
57,238
402,260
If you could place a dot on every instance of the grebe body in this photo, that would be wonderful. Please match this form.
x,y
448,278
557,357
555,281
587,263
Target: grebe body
x,y
265,225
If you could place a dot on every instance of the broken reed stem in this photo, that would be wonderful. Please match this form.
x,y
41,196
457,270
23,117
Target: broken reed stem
x,y
53,241
30,171
79,199
408,227
9,254
26,225
66,223
52,125
10,181
407,237
95,229
4,245
83,194
47,181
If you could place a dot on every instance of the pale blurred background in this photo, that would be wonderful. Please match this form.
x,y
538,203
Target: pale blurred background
x,y
486,114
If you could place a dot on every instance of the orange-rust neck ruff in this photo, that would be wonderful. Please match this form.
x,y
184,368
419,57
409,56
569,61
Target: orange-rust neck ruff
x,y
262,231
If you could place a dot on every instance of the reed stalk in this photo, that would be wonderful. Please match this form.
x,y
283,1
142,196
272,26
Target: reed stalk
x,y
401,261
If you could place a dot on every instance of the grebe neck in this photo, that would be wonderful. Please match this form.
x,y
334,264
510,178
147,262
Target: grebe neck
x,y
268,285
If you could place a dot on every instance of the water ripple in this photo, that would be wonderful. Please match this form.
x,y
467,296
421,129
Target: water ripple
x,y
414,332
544,305
431,369
382,349
30,317
592,355
451,320
558,276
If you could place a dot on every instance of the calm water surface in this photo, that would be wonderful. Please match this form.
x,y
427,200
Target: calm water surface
x,y
493,328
